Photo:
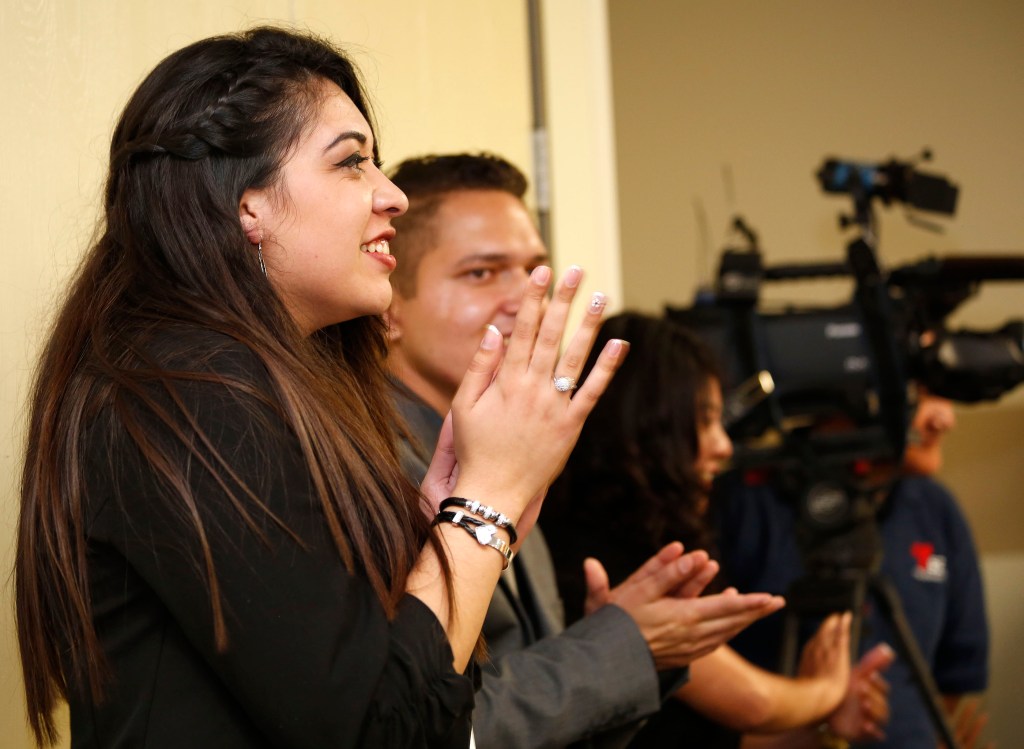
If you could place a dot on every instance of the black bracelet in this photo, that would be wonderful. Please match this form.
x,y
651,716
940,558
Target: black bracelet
x,y
484,533
487,513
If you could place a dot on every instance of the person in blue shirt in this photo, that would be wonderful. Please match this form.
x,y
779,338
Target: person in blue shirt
x,y
929,557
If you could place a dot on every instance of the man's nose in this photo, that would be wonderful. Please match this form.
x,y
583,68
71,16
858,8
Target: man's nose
x,y
513,290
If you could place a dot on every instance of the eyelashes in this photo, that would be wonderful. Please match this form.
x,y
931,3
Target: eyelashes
x,y
354,161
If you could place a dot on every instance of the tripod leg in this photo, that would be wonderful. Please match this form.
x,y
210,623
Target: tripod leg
x,y
908,649
813,597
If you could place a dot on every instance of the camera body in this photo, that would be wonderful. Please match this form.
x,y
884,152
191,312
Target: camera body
x,y
818,399
814,394
851,359
859,360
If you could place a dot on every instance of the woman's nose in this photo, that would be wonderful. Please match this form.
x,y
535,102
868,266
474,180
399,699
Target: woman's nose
x,y
724,443
387,198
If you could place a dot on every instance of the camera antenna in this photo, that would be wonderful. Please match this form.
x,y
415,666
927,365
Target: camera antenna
x,y
739,225
703,254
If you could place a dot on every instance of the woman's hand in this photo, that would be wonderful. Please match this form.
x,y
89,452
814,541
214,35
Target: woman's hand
x,y
825,659
509,433
513,430
443,473
661,598
864,711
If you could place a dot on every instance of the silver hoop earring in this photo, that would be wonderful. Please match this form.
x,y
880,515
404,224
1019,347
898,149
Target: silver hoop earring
x,y
259,254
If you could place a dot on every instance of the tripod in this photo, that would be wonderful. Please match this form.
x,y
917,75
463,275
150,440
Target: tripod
x,y
829,587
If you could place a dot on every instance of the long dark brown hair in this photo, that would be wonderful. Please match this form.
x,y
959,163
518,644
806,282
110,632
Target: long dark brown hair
x,y
630,485
211,121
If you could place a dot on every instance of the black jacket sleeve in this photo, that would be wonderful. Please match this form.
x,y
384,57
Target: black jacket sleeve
x,y
311,659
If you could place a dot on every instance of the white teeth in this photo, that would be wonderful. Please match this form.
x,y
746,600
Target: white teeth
x,y
380,245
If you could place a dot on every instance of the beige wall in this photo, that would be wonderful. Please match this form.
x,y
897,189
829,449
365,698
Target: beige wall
x,y
729,107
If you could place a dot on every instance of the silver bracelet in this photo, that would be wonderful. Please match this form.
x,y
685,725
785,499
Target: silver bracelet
x,y
485,511
486,534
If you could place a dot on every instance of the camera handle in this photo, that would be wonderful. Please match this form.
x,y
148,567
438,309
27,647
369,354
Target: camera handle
x,y
812,597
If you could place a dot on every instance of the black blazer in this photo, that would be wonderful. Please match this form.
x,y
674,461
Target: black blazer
x,y
311,660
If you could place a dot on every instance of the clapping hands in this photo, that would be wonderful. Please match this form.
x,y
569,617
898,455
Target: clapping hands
x,y
662,598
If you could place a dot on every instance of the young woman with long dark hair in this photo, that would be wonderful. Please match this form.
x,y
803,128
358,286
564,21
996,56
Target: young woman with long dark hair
x,y
641,474
216,545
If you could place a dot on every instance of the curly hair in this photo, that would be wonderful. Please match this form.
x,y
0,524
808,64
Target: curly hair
x,y
630,485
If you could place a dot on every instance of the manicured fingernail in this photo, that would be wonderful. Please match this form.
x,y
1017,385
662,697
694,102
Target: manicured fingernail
x,y
541,275
573,276
597,302
492,338
617,348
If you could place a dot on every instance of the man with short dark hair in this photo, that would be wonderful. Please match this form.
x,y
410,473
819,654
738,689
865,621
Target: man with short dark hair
x,y
465,251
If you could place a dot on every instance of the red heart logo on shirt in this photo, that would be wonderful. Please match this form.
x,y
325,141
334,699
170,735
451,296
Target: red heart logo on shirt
x,y
922,552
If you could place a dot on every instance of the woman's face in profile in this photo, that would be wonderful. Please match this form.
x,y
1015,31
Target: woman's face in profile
x,y
714,448
325,229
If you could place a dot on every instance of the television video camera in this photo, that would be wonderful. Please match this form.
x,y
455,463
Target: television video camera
x,y
786,371
814,394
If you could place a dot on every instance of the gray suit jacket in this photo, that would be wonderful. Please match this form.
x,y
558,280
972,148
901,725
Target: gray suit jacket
x,y
544,685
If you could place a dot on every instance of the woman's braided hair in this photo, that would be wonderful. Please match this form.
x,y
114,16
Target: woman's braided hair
x,y
211,121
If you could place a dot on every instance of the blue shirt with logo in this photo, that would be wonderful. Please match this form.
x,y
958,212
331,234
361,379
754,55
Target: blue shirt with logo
x,y
929,557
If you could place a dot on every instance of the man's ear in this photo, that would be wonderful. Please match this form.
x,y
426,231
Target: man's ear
x,y
393,318
250,214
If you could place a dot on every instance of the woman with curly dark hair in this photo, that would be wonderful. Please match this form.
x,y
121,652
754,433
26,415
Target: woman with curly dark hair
x,y
639,477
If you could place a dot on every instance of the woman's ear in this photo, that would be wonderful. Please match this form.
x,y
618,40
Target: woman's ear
x,y
250,210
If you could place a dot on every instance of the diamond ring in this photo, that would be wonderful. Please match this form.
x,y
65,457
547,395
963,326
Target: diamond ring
x,y
564,384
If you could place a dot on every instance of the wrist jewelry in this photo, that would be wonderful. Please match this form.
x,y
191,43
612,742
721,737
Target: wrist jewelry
x,y
486,534
484,511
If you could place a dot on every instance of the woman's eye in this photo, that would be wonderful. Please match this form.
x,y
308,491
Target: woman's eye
x,y
354,161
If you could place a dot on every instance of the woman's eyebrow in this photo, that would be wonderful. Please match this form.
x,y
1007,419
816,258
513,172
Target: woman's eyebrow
x,y
347,135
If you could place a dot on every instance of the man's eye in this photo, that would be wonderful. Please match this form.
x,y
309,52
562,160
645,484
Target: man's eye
x,y
479,274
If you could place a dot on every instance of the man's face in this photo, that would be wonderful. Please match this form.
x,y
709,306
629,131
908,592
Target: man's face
x,y
932,419
474,275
